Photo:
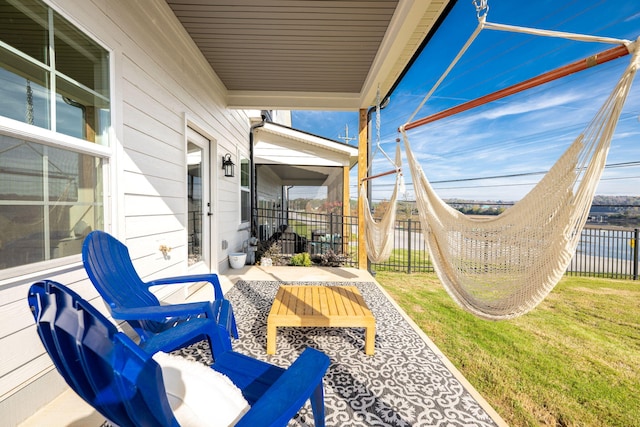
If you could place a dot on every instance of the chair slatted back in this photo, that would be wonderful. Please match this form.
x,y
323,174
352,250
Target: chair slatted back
x,y
104,366
107,260
108,265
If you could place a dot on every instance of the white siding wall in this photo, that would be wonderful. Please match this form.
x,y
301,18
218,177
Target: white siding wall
x,y
269,186
159,82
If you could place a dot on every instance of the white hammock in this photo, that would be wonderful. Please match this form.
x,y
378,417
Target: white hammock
x,y
503,266
379,237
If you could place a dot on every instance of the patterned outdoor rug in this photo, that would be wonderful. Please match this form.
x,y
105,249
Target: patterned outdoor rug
x,y
404,384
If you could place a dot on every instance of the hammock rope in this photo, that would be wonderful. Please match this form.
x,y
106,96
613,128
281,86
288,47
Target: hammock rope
x,y
503,266
482,11
583,64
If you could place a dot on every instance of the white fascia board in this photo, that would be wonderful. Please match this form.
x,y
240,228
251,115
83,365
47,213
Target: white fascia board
x,y
309,139
297,161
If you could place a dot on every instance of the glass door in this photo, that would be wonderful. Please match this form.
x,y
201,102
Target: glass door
x,y
198,200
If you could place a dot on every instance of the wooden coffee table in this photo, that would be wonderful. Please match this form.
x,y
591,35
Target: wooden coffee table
x,y
324,306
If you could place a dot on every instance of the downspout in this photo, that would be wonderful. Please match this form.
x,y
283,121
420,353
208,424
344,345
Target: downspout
x,y
254,176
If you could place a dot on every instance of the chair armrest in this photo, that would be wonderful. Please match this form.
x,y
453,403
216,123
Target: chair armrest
x,y
289,392
210,278
161,312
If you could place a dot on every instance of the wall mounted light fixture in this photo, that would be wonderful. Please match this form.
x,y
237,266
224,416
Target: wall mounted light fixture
x,y
227,165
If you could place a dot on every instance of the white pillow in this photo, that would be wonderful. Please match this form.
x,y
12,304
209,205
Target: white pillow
x,y
198,395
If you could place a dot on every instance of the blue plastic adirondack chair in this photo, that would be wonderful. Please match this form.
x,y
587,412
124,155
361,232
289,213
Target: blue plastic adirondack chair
x,y
108,265
125,384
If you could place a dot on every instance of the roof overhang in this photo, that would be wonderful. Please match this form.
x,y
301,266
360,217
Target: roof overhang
x,y
303,176
323,55
276,144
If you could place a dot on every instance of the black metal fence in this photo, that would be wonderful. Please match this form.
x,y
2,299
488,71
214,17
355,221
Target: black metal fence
x,y
602,252
606,252
610,252
316,233
410,253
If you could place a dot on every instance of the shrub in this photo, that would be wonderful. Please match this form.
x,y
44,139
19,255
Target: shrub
x,y
303,259
273,251
330,259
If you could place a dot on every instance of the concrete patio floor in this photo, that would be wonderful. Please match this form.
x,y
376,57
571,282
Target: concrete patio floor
x,y
69,410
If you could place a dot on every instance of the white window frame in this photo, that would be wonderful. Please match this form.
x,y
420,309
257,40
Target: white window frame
x,y
51,138
244,189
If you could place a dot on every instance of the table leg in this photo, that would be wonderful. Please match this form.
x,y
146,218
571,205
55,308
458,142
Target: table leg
x,y
271,338
370,340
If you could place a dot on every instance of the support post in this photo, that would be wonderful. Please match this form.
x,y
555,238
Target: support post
x,y
363,166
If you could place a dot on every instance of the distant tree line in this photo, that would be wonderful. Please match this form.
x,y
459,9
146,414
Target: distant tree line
x,y
612,210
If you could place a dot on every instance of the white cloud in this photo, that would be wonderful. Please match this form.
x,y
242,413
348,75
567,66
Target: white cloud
x,y
530,105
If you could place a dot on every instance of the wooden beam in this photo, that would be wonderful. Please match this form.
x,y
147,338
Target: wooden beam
x,y
363,166
368,178
574,67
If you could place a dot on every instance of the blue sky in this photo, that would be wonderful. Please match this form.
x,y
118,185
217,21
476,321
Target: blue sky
x,y
522,134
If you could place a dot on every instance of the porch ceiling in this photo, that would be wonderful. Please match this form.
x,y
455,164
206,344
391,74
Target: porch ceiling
x,y
301,175
307,54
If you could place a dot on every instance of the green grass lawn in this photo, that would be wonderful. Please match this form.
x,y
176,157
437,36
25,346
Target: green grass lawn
x,y
572,361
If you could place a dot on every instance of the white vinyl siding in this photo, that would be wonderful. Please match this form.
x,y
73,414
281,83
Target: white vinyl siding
x,y
159,81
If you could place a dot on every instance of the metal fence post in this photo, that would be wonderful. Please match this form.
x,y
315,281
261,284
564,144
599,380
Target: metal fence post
x,y
332,243
409,246
636,232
